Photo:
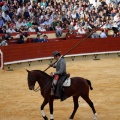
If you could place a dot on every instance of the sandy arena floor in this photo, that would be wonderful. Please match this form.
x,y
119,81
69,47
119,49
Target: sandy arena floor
x,y
17,102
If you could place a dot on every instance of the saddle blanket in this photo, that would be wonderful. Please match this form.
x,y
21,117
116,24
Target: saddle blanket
x,y
67,82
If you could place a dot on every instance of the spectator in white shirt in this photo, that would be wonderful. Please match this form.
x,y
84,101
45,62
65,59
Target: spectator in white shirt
x,y
108,25
41,28
18,24
76,27
74,15
87,26
10,30
32,29
20,10
6,17
103,34
116,17
58,30
81,30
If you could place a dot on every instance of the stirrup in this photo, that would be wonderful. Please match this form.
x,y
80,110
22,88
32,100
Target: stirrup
x,y
52,91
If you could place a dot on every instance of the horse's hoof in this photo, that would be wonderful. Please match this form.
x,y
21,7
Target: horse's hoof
x,y
45,118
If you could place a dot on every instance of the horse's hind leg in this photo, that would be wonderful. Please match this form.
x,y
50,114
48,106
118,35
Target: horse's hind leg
x,y
90,103
51,109
42,109
76,105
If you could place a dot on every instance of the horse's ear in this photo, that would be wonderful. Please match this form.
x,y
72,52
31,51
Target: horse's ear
x,y
27,70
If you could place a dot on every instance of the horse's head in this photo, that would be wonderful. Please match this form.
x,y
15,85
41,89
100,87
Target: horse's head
x,y
31,79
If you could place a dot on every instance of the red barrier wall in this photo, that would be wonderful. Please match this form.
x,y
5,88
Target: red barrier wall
x,y
38,50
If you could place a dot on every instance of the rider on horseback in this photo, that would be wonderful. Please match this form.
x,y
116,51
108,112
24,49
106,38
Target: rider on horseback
x,y
60,66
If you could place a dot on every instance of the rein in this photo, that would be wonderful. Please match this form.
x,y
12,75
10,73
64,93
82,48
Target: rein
x,y
38,88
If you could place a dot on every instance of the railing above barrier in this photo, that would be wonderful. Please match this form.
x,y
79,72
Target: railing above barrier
x,y
50,58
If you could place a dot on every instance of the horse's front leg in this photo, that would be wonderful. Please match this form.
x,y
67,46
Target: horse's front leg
x,y
42,109
51,109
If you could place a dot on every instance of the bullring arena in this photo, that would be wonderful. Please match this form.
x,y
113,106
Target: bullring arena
x,y
17,102
95,59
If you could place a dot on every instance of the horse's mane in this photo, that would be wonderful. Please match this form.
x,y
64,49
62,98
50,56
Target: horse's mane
x,y
44,73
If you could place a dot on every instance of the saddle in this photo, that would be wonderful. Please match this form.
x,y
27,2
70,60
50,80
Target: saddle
x,y
67,81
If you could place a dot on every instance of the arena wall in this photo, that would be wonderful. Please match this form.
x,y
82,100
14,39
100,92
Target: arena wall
x,y
16,54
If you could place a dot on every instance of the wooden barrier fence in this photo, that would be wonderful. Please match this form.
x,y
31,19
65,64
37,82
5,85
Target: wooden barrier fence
x,y
34,51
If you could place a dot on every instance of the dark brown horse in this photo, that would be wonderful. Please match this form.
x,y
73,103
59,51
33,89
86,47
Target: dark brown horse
x,y
79,87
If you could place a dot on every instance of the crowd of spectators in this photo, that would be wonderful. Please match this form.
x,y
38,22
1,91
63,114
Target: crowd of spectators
x,y
48,15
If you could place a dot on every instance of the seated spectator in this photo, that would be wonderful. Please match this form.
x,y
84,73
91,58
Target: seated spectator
x,y
35,22
29,23
76,27
71,27
26,14
107,25
3,29
36,28
37,39
5,7
18,24
32,29
1,21
11,23
115,29
41,28
24,31
95,35
6,36
10,30
81,30
24,23
44,39
71,32
19,34
6,17
54,24
4,43
58,30
74,15
103,34
87,27
11,13
21,39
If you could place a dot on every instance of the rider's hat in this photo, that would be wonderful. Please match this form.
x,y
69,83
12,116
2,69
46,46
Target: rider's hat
x,y
55,53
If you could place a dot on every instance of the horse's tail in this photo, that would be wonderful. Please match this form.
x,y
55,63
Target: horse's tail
x,y
89,83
